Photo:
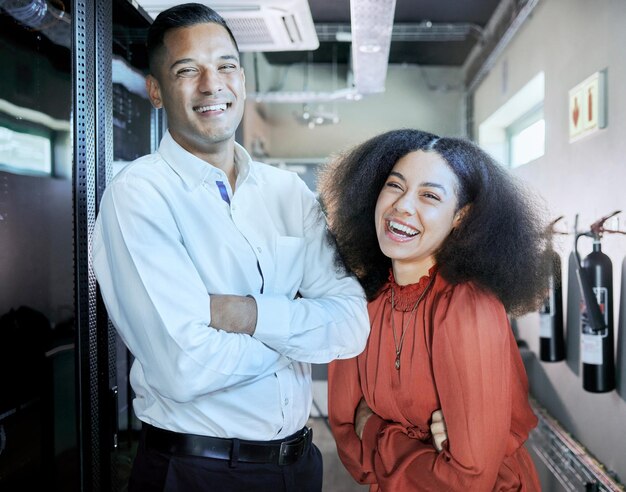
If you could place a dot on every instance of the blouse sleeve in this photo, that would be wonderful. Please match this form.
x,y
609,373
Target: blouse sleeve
x,y
344,395
471,365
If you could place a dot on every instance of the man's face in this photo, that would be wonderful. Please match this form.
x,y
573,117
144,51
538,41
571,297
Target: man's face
x,y
201,85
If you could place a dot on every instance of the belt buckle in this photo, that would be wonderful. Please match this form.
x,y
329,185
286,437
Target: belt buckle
x,y
287,446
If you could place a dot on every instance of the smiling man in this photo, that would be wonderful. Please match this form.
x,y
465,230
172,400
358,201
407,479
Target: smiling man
x,y
216,272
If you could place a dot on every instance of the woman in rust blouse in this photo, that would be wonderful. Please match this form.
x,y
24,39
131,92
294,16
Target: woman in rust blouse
x,y
445,244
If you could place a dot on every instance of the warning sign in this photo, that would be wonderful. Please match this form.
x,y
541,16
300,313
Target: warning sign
x,y
587,106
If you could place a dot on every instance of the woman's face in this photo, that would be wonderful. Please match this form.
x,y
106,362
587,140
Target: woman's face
x,y
415,212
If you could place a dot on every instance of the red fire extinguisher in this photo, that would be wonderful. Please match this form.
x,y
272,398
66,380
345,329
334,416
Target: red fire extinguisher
x,y
595,277
551,340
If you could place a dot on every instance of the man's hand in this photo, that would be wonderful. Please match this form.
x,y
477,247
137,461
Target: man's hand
x,y
438,430
234,314
363,412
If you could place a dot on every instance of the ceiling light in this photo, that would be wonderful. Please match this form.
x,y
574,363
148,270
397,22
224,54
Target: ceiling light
x,y
369,48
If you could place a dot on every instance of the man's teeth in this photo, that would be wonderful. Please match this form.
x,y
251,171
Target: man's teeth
x,y
214,107
396,227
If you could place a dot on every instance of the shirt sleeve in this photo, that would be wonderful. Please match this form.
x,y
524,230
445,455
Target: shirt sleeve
x,y
159,304
472,368
344,395
330,320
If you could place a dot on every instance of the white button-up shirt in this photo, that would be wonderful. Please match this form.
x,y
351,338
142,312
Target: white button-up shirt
x,y
166,238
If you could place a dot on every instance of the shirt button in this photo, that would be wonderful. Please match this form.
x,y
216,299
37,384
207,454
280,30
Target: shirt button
x,y
286,402
291,366
259,249
234,207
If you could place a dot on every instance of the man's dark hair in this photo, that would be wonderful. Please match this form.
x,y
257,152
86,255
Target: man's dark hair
x,y
183,15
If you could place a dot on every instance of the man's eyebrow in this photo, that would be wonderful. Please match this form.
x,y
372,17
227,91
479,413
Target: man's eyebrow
x,y
230,57
182,61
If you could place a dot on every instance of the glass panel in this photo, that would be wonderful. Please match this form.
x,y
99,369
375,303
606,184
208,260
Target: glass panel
x,y
132,120
528,144
38,440
25,153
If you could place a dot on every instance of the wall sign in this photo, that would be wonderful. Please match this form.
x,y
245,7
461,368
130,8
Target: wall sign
x,y
587,106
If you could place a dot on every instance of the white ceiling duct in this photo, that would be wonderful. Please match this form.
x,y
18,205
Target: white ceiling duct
x,y
260,25
371,24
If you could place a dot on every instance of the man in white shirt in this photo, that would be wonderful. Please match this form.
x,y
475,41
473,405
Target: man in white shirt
x,y
217,274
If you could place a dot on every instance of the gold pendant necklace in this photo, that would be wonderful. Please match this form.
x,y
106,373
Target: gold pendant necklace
x,y
397,346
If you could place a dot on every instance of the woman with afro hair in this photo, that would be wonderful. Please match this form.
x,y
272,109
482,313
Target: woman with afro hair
x,y
446,244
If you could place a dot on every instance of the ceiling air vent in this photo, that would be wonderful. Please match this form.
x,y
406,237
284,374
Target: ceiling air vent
x,y
270,25
261,25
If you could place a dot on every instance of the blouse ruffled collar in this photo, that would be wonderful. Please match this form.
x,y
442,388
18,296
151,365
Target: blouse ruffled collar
x,y
405,296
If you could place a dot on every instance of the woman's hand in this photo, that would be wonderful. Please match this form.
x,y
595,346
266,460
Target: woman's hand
x,y
438,430
363,412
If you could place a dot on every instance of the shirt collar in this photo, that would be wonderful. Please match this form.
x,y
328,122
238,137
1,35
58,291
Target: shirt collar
x,y
195,171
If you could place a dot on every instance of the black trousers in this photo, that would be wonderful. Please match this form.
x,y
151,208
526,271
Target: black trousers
x,y
155,471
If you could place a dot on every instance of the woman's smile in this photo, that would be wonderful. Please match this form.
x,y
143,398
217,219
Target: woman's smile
x,y
399,231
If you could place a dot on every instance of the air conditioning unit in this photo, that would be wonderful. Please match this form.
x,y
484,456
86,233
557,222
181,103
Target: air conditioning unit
x,y
260,25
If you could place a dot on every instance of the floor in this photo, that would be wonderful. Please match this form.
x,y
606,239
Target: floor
x,y
336,478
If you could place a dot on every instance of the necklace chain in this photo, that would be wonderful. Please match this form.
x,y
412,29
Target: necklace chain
x,y
397,346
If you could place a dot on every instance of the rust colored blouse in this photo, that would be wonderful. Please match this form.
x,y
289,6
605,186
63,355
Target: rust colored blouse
x,y
459,354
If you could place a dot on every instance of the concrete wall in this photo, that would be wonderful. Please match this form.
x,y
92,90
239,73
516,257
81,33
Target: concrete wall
x,y
569,40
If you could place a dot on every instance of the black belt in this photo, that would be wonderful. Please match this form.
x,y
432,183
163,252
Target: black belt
x,y
280,452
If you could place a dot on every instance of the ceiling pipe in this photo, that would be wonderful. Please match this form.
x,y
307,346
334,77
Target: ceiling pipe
x,y
501,29
486,54
347,94
406,31
42,16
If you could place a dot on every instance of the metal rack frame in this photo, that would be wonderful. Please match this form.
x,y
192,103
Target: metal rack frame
x,y
570,463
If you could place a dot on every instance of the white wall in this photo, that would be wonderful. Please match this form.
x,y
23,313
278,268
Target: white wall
x,y
569,40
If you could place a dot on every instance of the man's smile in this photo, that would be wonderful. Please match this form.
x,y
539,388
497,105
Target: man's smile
x,y
211,107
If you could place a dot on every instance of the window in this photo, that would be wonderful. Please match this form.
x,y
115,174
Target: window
x,y
526,138
515,133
